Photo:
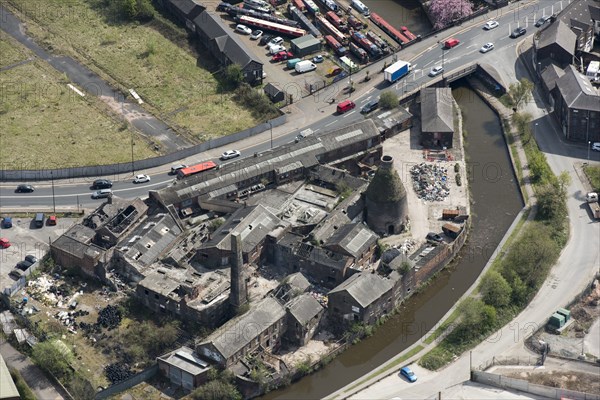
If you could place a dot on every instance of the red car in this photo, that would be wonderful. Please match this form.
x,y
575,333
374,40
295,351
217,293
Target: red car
x,y
282,56
52,220
4,243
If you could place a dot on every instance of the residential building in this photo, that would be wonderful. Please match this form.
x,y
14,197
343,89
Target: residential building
x,y
556,44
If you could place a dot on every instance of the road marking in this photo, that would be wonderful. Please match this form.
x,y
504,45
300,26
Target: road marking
x,y
150,125
73,88
331,123
350,113
316,130
365,100
89,193
429,63
369,91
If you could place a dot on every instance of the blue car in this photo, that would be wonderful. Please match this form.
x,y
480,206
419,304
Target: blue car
x,y
7,222
408,374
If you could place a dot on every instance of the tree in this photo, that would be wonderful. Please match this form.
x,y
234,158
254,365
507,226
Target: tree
x,y
81,389
53,358
233,75
495,290
216,390
444,12
520,93
388,100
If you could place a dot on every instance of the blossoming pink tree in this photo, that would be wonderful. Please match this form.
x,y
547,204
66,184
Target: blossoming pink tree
x,y
443,12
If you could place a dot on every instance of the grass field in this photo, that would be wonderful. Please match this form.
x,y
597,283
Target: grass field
x,y
163,70
46,125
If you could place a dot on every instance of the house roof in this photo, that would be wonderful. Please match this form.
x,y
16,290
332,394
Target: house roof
x,y
579,10
305,151
228,43
559,33
305,41
364,287
253,223
238,332
272,90
354,239
304,308
189,8
297,281
551,74
437,113
186,360
577,91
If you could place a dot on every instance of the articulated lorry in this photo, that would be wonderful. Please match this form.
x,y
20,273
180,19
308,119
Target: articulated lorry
x,y
396,71
592,201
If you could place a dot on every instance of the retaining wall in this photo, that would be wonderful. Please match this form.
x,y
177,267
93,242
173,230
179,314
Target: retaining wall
x,y
134,380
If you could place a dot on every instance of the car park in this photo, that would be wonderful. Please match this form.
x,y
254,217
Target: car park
x,y
520,31
4,243
256,35
265,39
282,56
102,194
487,47
102,184
435,71
370,106
318,59
141,178
490,25
243,29
408,374
24,188
542,21
7,222
345,106
434,237
596,146
276,40
229,154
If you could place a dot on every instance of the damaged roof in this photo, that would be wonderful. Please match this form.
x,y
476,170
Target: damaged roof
x,y
304,308
353,239
364,287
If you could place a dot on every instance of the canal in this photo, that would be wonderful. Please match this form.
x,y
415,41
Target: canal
x,y
399,13
495,201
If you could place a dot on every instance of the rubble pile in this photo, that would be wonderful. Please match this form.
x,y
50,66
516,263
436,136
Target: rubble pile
x,y
430,182
406,247
117,372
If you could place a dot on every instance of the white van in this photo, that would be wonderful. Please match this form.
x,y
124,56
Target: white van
x,y
361,8
305,66
303,135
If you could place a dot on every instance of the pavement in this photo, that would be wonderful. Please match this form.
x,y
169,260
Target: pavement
x,y
42,387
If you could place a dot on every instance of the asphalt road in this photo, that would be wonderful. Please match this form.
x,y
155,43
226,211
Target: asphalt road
x,y
77,193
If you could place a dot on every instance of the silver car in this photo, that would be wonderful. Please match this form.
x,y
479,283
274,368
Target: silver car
x,y
487,47
435,71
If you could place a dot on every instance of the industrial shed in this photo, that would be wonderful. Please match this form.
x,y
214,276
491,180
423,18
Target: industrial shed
x,y
274,93
305,45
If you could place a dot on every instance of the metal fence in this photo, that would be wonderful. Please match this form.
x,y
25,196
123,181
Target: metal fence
x,y
123,168
21,282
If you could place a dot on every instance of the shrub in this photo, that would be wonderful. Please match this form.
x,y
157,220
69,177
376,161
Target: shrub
x,y
388,100
458,180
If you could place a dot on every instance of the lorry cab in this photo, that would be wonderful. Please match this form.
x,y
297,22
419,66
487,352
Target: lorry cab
x,y
450,43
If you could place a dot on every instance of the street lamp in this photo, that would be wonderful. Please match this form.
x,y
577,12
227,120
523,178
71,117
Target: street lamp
x,y
587,136
271,126
53,199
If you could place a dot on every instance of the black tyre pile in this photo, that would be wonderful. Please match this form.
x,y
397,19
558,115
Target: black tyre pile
x,y
109,317
117,372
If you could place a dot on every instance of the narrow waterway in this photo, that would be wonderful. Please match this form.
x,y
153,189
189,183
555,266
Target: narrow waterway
x,y
496,200
399,13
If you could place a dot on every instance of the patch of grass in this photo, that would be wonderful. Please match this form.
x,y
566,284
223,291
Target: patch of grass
x,y
593,174
442,328
151,58
45,124
10,54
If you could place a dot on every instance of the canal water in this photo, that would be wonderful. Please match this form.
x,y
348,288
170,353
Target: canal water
x,y
399,13
496,201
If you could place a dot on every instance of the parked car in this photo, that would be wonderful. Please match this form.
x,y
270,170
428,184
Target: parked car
x,y
4,243
542,21
39,220
276,48
102,184
345,106
276,40
490,25
370,106
318,59
282,56
102,194
24,188
408,374
229,154
31,258
141,178
487,47
596,146
434,237
334,71
256,34
435,71
243,29
520,31
7,222
265,39
52,220
23,265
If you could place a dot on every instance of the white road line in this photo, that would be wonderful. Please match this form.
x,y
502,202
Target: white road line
x,y
331,123
428,64
350,113
370,90
89,193
365,100
150,125
316,130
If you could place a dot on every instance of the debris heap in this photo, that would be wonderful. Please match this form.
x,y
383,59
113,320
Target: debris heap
x,y
430,182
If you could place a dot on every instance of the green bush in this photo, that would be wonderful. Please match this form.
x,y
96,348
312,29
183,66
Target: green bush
x,y
388,100
457,167
436,359
54,357
458,180
216,390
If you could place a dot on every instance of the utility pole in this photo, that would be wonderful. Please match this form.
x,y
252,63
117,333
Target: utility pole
x,y
587,137
53,198
271,126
